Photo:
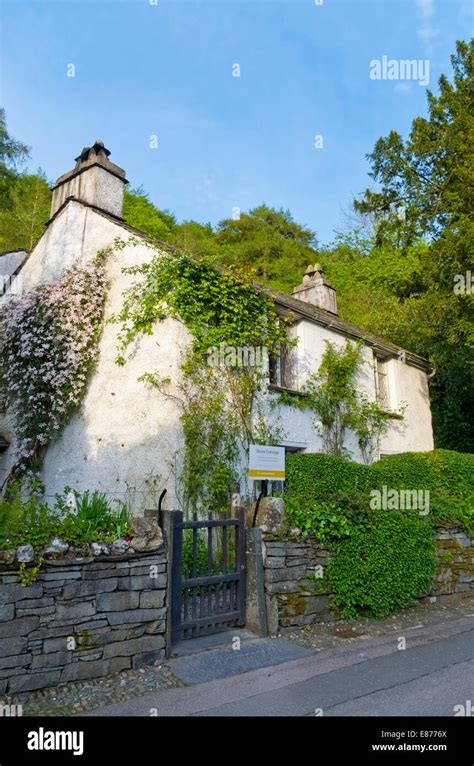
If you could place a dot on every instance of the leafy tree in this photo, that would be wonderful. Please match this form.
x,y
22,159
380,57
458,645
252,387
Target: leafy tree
x,y
426,193
30,203
25,200
139,212
12,154
270,242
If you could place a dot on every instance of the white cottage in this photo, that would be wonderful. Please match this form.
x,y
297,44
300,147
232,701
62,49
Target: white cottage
x,y
126,436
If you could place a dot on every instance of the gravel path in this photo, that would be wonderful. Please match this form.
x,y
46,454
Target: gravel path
x,y
86,695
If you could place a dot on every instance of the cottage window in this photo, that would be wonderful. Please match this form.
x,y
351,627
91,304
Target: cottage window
x,y
281,368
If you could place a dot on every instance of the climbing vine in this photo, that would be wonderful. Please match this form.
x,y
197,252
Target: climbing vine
x,y
222,406
48,348
338,404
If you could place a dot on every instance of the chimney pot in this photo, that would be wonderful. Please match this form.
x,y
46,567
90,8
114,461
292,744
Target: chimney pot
x,y
94,180
316,289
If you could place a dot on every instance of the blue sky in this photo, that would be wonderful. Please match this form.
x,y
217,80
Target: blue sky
x,y
166,69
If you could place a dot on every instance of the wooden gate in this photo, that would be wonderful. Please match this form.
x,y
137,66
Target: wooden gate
x,y
208,575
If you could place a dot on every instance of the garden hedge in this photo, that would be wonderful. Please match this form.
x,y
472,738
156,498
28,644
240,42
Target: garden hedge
x,y
383,567
448,475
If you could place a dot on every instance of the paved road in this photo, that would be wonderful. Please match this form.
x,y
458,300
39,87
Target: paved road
x,y
370,677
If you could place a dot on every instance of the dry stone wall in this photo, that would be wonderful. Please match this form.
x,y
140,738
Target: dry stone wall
x,y
82,620
297,592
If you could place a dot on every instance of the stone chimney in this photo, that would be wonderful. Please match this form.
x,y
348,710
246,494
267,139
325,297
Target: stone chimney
x,y
94,180
316,289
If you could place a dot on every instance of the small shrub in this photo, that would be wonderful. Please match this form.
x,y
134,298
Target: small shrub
x,y
29,520
384,566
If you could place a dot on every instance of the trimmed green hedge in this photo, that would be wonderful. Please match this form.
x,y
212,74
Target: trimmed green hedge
x,y
448,475
383,567
318,476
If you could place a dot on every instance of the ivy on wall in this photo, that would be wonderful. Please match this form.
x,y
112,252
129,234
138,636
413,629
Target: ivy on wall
x,y
48,349
222,407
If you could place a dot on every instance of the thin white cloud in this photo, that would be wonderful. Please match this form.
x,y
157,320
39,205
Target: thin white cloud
x,y
426,10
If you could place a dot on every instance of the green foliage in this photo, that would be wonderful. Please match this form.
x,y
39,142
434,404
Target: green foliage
x,y
449,477
325,520
383,566
216,305
22,520
94,519
27,575
333,395
22,224
221,410
139,212
317,476
12,154
430,175
29,520
187,555
25,200
210,429
270,242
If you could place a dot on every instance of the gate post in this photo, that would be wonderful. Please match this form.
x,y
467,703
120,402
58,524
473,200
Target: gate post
x,y
173,537
256,610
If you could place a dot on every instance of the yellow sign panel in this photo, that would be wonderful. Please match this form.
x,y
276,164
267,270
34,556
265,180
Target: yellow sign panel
x,y
266,462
